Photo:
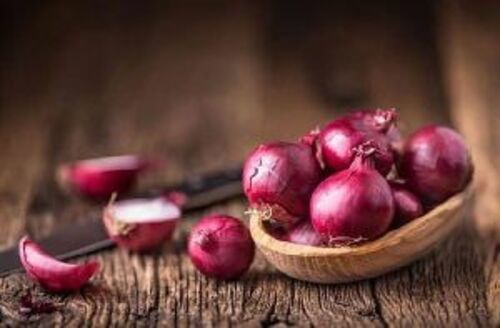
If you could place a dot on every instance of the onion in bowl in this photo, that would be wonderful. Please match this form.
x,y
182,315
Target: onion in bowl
x,y
436,163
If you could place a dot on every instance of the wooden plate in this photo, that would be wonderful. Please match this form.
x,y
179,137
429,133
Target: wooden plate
x,y
344,264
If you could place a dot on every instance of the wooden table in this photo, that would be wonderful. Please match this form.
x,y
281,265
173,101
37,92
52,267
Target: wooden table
x,y
202,84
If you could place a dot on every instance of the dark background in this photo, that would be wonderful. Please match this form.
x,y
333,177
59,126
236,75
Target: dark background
x,y
233,73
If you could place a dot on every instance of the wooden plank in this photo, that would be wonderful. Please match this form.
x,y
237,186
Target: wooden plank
x,y
137,102
470,52
23,154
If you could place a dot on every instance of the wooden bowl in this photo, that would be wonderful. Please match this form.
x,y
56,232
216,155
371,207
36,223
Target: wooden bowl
x,y
344,264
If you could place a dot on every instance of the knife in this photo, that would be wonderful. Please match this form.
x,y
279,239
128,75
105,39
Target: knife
x,y
82,239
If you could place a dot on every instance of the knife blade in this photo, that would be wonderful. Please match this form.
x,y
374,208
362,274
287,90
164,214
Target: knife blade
x,y
83,239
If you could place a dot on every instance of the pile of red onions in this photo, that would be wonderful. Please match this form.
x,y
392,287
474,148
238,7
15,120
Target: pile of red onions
x,y
354,179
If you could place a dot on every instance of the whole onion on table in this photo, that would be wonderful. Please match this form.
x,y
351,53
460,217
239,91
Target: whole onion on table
x,y
220,246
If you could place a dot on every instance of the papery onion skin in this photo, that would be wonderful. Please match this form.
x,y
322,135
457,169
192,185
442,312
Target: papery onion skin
x,y
384,121
139,236
380,120
98,182
353,205
310,137
220,247
52,274
406,204
304,234
436,164
281,176
338,139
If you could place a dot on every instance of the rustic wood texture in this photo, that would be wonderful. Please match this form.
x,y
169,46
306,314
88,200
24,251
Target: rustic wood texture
x,y
470,52
202,83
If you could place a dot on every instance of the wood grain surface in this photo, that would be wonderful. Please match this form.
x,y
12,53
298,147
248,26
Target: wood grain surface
x,y
201,83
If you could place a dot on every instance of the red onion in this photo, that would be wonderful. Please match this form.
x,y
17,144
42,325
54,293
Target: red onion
x,y
279,177
141,224
221,247
304,234
385,121
99,178
355,204
338,139
311,139
436,163
380,120
275,229
407,206
51,274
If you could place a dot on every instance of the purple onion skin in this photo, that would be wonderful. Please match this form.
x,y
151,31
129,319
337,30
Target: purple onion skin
x,y
220,247
436,164
53,275
351,205
278,231
407,206
378,120
143,237
282,174
99,185
304,234
337,140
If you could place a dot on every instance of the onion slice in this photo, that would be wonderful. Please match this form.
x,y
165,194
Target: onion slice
x,y
50,273
142,224
99,178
